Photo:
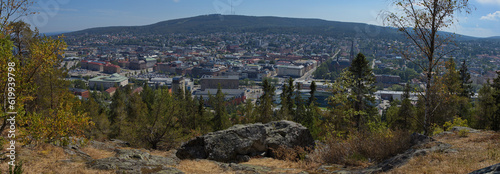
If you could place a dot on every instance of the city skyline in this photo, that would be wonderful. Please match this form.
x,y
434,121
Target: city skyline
x,y
71,15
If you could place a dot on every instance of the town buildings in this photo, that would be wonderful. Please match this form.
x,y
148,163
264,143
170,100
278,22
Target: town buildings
x,y
108,81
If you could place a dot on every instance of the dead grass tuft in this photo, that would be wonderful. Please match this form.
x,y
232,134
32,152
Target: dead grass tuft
x,y
200,167
46,158
97,153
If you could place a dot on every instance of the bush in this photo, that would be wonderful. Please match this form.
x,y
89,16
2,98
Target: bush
x,y
463,133
457,121
361,148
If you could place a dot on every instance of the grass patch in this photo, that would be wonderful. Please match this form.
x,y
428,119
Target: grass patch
x,y
476,151
363,149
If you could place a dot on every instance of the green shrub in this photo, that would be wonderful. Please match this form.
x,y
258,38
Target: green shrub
x,y
463,133
457,121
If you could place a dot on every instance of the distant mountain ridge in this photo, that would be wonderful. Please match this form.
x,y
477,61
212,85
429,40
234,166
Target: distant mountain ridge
x,y
236,23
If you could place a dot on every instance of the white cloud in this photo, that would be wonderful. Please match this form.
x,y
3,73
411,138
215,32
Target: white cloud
x,y
489,2
492,16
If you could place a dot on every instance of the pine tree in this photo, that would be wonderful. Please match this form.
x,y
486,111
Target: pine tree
x,y
266,102
161,125
312,99
249,112
200,115
486,107
284,112
289,96
361,89
118,113
406,111
495,118
451,78
220,120
465,84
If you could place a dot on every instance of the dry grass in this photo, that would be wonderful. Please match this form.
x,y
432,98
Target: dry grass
x,y
49,159
97,153
363,149
476,151
282,166
200,167
206,166
162,153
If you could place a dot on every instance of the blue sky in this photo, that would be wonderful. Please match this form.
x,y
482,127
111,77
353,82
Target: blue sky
x,y
73,15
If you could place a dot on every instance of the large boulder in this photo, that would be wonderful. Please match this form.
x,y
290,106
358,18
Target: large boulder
x,y
240,142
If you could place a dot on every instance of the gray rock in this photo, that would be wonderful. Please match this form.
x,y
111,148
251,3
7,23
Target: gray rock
x,y
241,142
444,133
120,143
135,161
417,139
458,129
494,169
76,154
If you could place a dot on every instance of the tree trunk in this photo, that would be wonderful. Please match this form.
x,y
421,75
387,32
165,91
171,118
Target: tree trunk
x,y
427,103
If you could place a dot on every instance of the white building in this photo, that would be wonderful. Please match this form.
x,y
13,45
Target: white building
x,y
292,71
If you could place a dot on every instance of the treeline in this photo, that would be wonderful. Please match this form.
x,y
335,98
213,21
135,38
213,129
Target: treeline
x,y
451,102
162,118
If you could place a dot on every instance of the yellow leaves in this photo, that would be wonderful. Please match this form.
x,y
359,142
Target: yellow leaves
x,y
54,124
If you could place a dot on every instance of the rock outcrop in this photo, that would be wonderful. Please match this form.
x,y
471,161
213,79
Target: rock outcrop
x,y
240,142
494,169
134,161
421,145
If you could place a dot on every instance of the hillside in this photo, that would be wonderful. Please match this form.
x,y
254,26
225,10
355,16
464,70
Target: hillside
x,y
237,23
472,152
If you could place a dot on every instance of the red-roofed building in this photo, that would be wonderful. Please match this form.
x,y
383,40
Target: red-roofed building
x,y
85,94
137,90
84,64
111,69
123,64
94,66
111,91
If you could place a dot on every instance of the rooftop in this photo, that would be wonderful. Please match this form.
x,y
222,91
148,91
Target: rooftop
x,y
113,78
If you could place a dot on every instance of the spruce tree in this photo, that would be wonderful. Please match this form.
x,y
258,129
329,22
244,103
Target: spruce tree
x,y
406,111
220,120
266,102
118,113
465,83
289,90
486,107
362,89
312,99
494,120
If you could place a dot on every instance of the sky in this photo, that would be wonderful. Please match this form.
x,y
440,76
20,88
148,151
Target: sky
x,y
74,15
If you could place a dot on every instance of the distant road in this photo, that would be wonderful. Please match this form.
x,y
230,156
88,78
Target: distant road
x,y
308,75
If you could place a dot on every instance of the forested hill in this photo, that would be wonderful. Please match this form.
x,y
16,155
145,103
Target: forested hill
x,y
236,23
206,24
